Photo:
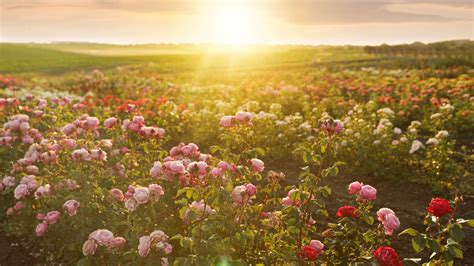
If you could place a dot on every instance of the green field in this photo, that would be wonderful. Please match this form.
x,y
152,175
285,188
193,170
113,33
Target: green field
x,y
191,61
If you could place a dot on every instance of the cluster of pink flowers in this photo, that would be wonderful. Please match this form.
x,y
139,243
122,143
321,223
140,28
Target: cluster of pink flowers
x,y
388,219
82,125
18,127
332,127
157,240
61,101
241,195
101,237
137,124
242,118
83,154
200,208
27,185
180,164
50,218
136,196
10,102
223,166
365,192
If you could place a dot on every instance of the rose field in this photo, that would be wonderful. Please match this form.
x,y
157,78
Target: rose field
x,y
281,156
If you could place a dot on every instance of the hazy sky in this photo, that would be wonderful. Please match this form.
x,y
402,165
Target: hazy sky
x,y
252,21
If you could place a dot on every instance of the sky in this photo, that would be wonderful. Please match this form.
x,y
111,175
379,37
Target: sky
x,y
356,22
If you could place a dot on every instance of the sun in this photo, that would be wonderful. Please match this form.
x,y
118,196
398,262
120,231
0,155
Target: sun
x,y
234,24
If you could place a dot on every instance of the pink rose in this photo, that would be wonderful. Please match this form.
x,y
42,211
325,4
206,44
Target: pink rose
x,y
168,248
391,223
92,122
116,194
89,247
156,191
317,245
144,246
99,155
141,195
158,235
257,165
68,129
41,229
251,189
368,192
176,167
71,207
118,242
52,217
9,181
239,195
226,121
20,191
216,172
103,237
131,204
382,213
155,171
18,206
354,187
110,122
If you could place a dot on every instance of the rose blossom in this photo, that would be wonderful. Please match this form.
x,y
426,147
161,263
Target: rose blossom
x,y
89,247
239,195
110,122
347,211
368,192
141,195
354,187
41,229
250,189
116,194
226,121
257,165
71,207
439,207
118,242
103,237
317,245
52,217
144,246
387,256
20,191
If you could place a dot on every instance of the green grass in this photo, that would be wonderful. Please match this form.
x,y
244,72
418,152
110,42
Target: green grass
x,y
189,60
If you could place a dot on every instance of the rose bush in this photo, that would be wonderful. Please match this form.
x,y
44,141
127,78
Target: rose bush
x,y
141,170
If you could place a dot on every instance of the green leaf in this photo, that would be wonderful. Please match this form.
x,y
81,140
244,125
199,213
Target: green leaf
x,y
470,223
456,233
418,243
456,251
434,245
409,231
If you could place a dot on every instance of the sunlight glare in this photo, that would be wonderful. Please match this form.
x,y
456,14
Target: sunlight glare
x,y
233,24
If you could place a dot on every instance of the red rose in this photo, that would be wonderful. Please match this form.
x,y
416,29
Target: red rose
x,y
387,256
308,253
439,207
347,211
